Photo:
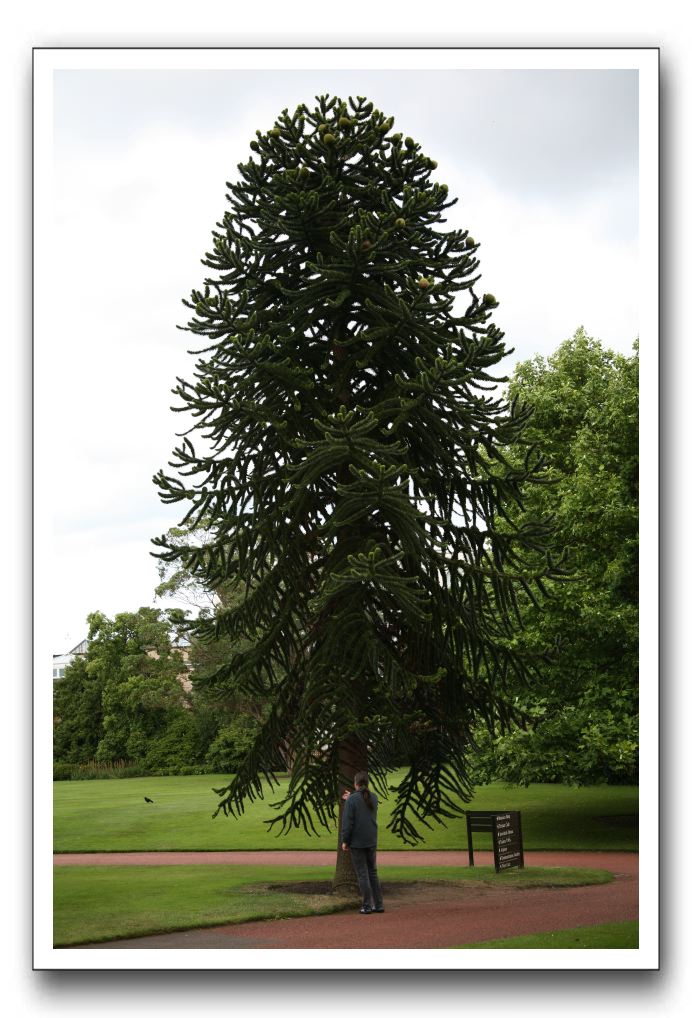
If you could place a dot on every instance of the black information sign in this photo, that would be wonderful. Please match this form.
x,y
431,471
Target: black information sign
x,y
508,847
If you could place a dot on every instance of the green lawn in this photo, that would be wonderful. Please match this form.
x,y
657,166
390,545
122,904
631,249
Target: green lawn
x,y
95,903
111,815
608,935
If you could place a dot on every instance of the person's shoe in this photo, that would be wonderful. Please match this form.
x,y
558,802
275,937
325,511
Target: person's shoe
x,y
365,910
378,909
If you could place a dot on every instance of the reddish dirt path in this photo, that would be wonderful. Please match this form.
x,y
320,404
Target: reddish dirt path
x,y
438,917
616,862
437,923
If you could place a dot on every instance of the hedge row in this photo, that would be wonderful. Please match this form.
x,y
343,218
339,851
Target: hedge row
x,y
87,772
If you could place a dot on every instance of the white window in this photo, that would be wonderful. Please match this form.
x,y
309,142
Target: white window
x,y
55,673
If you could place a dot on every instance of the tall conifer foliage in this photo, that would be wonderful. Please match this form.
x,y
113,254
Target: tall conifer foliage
x,y
348,472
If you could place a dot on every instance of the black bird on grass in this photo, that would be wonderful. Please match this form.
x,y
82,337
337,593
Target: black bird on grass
x,y
147,799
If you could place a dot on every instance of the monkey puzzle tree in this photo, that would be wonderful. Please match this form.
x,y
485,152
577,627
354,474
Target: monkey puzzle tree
x,y
349,472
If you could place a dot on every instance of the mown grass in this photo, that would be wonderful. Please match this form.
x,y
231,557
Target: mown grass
x,y
97,903
91,816
607,935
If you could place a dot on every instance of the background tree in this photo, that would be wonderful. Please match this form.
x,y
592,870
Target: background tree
x,y
123,701
178,582
227,716
582,711
78,713
349,473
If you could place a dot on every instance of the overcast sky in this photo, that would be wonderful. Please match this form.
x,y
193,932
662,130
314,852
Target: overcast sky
x,y
544,164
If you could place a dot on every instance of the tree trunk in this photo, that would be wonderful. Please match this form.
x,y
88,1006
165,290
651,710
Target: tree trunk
x,y
353,757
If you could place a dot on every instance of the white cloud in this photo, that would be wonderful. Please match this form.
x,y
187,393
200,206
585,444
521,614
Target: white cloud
x,y
129,233
552,267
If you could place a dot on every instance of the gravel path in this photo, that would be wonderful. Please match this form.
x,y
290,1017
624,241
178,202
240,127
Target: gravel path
x,y
434,916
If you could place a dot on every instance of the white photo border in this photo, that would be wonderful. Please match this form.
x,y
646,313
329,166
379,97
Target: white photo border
x,y
646,62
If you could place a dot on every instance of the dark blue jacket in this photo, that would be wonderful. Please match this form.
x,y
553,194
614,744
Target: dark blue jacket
x,y
358,823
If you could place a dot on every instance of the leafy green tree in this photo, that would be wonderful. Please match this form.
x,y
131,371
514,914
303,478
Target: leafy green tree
x,y
119,702
137,712
178,582
78,713
348,470
583,711
232,742
224,713
142,694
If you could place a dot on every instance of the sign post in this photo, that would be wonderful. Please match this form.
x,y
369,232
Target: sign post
x,y
508,846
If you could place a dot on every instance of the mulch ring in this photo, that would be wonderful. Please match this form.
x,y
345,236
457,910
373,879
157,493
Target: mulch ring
x,y
401,890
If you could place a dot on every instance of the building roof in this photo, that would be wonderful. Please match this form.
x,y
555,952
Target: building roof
x,y
68,655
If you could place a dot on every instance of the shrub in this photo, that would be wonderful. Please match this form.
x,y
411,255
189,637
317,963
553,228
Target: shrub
x,y
94,770
232,743
175,747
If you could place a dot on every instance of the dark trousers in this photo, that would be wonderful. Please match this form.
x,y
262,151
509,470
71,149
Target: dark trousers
x,y
365,864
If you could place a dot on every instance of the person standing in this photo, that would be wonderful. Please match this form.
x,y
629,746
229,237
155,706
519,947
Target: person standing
x,y
359,837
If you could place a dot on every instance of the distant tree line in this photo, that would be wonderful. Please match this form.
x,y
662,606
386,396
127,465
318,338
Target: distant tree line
x,y
124,701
